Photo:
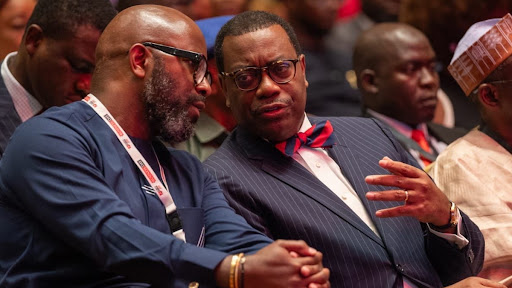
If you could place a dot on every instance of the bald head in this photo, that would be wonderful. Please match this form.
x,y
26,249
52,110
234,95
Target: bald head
x,y
381,43
143,23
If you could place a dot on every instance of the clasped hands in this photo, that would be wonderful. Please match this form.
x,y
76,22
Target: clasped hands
x,y
284,263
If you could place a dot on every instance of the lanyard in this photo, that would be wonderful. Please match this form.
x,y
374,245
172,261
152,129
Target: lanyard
x,y
142,164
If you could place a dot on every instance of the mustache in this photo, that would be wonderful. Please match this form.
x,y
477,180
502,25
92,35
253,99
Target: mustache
x,y
196,98
259,106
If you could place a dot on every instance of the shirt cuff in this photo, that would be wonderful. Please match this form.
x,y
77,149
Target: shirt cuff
x,y
457,239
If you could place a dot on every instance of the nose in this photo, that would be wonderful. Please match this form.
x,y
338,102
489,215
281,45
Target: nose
x,y
267,87
204,88
83,84
428,78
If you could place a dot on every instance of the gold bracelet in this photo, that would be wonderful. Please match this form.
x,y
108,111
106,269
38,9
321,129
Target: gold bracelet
x,y
237,269
242,262
234,261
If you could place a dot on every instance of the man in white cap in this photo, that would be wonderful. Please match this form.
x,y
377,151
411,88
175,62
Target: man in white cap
x,y
476,171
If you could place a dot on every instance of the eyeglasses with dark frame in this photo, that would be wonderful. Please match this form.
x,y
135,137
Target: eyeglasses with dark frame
x,y
201,65
249,78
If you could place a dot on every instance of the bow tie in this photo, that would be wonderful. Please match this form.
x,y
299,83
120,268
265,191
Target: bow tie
x,y
318,136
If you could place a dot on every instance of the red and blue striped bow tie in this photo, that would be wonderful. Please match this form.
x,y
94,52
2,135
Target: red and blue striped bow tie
x,y
318,136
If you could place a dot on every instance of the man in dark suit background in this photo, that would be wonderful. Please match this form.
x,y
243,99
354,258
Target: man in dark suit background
x,y
320,195
396,74
54,63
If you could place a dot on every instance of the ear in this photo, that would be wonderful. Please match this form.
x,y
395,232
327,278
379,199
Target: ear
x,y
222,82
302,63
138,55
488,95
367,79
33,38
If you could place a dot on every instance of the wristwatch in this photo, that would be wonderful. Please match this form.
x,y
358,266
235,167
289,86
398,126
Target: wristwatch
x,y
454,218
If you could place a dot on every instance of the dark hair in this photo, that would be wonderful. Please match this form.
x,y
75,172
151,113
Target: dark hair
x,y
61,18
251,21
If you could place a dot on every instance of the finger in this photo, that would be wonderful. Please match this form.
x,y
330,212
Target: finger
x,y
312,266
399,168
389,195
489,283
394,212
314,285
391,180
294,254
298,246
322,277
308,270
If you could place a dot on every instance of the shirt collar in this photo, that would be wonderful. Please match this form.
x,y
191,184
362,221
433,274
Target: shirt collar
x,y
305,124
399,126
25,104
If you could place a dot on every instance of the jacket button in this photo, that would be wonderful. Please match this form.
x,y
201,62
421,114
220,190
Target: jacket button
x,y
399,268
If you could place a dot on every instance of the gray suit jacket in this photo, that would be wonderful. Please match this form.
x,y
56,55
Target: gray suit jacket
x,y
9,118
279,197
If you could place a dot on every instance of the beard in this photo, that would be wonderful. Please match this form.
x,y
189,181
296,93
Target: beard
x,y
166,110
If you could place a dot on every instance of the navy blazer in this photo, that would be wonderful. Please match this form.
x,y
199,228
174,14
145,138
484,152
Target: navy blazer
x,y
9,118
281,198
73,212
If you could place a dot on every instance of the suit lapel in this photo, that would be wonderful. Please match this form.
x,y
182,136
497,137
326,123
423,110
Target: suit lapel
x,y
289,171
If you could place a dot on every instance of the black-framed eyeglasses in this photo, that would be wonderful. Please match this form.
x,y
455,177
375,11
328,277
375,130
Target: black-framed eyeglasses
x,y
200,64
249,78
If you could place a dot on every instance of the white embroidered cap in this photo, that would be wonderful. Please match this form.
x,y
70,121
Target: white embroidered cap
x,y
484,47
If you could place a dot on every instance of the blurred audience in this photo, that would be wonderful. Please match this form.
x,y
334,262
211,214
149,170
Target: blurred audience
x,y
444,22
399,84
195,9
54,62
344,36
216,120
228,7
14,15
329,91
476,171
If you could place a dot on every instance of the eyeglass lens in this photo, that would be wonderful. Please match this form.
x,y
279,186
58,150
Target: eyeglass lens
x,y
281,72
202,72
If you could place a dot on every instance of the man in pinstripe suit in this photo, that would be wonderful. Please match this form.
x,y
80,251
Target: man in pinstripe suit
x,y
54,62
322,195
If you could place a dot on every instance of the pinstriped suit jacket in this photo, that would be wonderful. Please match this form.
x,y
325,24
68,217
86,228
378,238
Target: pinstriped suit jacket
x,y
281,198
9,118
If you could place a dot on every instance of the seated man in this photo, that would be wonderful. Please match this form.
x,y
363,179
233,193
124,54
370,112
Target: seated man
x,y
216,120
396,74
476,170
290,191
54,62
81,205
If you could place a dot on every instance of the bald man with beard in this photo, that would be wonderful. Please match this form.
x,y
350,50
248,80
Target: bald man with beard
x,y
82,206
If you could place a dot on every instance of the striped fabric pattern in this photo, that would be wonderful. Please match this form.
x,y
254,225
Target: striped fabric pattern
x,y
9,118
279,197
